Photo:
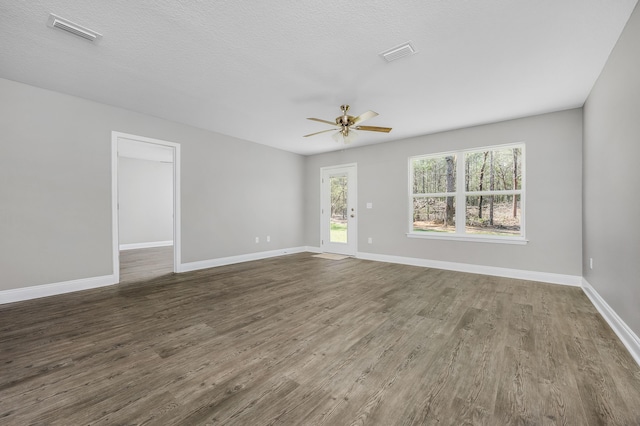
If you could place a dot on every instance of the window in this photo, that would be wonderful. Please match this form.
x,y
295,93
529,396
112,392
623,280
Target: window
x,y
487,184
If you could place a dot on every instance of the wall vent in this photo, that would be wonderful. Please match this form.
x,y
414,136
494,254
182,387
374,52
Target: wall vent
x,y
397,52
73,28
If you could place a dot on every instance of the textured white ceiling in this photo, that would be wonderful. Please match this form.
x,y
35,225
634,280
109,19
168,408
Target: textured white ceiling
x,y
255,69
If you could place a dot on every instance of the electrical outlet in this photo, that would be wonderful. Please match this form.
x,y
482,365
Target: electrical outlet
x,y
257,240
370,240
268,238
591,263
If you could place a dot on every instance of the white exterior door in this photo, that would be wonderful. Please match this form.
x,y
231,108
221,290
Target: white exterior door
x,y
338,215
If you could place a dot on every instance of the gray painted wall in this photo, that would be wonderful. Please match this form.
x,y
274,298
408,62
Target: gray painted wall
x,y
611,213
553,195
55,187
145,200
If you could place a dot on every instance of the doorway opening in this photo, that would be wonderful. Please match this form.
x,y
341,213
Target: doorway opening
x,y
145,207
338,201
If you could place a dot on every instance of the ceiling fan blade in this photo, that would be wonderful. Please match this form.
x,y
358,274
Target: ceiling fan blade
x,y
333,123
374,129
317,133
364,116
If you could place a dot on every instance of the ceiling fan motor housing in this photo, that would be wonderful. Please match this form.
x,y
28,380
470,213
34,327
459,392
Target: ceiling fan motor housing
x,y
344,120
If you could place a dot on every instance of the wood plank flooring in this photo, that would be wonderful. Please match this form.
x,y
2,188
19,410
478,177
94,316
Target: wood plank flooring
x,y
302,340
145,264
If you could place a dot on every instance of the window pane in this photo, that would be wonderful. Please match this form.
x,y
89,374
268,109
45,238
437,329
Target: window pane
x,y
434,214
338,219
494,215
434,175
493,170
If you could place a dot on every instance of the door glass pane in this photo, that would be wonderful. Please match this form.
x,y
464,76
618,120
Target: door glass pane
x,y
338,219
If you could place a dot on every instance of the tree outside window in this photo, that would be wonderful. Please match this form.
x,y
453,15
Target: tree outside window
x,y
485,183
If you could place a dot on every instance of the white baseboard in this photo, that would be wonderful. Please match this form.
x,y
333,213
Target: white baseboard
x,y
547,277
134,246
212,263
629,339
37,291
312,249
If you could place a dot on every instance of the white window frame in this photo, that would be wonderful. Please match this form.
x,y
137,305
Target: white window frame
x,y
460,195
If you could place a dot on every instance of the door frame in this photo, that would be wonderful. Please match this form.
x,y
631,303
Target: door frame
x,y
351,248
115,219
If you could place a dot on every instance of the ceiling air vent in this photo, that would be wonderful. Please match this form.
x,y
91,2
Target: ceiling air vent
x,y
73,28
405,49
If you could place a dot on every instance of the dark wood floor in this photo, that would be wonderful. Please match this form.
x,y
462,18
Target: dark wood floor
x,y
302,340
145,264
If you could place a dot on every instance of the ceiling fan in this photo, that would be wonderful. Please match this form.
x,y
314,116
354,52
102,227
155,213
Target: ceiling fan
x,y
346,124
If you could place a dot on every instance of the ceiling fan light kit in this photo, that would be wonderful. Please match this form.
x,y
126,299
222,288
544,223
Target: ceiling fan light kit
x,y
345,137
345,125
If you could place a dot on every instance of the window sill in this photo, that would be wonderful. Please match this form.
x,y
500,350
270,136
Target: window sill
x,y
472,238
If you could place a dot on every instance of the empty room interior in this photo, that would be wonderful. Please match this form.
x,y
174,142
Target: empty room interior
x,y
311,213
